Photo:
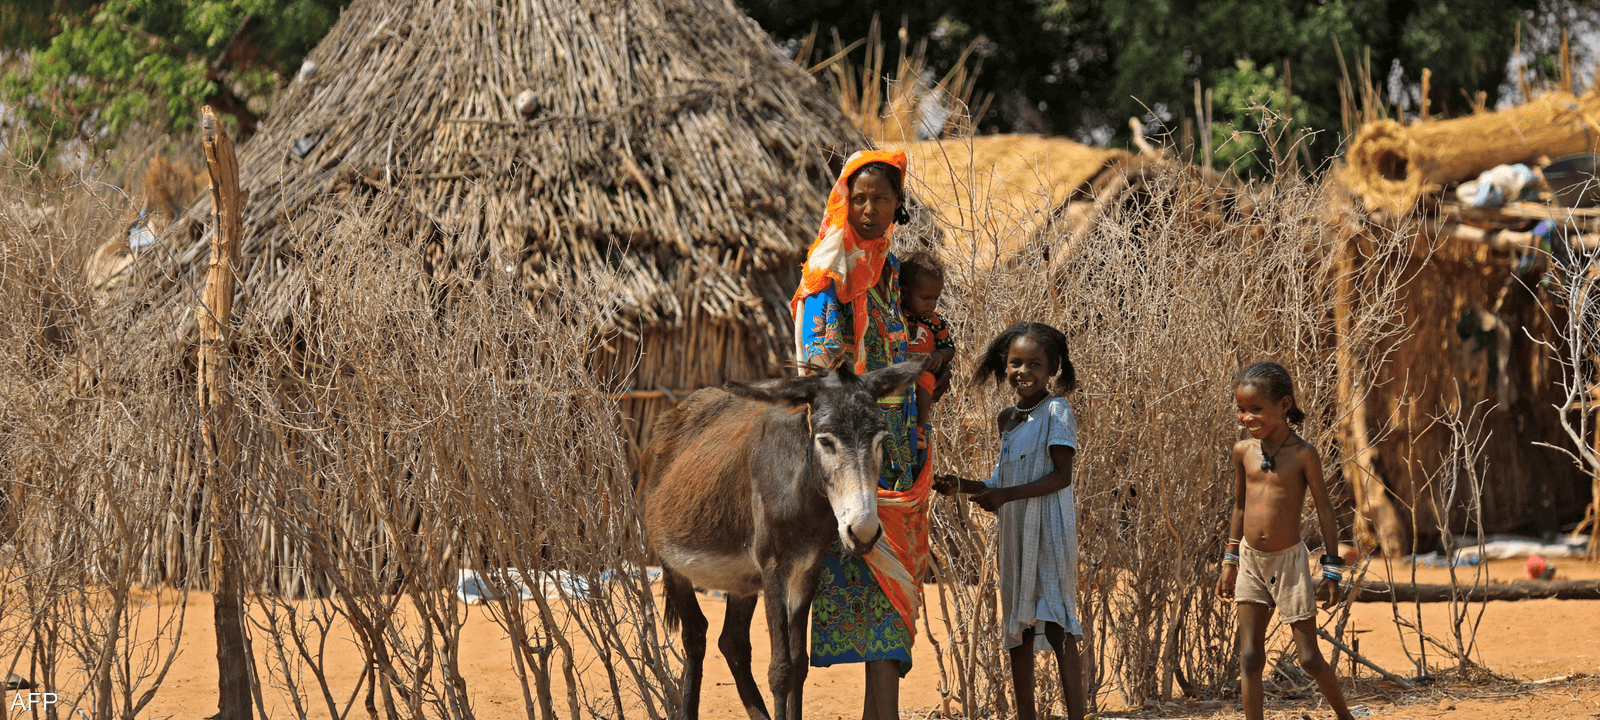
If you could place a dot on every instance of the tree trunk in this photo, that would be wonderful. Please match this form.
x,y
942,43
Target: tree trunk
x,y
1533,590
221,448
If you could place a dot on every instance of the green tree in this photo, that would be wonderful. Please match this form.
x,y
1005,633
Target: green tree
x,y
1044,60
1082,68
1167,45
85,71
1256,104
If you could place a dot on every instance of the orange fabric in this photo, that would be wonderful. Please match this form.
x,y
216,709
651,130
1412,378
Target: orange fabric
x,y
900,559
841,257
928,382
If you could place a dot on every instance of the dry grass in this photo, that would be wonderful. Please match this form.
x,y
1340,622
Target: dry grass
x,y
90,426
913,104
403,432
395,431
993,186
1574,281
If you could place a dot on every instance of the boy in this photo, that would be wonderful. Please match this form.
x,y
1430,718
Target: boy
x,y
1266,564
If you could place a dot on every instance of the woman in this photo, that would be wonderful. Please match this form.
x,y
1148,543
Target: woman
x,y
847,309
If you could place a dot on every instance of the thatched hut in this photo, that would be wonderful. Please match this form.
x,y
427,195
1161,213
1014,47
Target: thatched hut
x,y
1482,331
668,143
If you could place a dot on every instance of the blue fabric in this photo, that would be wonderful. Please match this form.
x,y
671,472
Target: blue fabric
x,y
1037,538
1487,196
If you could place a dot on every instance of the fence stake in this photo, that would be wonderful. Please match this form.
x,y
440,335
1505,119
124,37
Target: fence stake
x,y
221,448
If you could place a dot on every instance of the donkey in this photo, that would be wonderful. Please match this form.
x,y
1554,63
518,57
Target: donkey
x,y
743,489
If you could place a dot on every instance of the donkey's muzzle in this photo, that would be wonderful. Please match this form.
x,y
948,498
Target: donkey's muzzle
x,y
860,549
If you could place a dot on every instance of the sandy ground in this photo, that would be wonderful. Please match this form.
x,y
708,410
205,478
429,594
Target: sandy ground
x,y
1530,640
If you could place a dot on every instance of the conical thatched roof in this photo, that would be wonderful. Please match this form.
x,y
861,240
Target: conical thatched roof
x,y
667,139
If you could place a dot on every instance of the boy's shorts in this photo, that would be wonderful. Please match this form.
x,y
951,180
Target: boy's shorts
x,y
1279,578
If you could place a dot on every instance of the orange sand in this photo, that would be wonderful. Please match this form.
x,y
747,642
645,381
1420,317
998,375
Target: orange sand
x,y
1530,640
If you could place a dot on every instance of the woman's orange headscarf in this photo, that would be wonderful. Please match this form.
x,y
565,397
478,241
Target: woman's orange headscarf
x,y
839,256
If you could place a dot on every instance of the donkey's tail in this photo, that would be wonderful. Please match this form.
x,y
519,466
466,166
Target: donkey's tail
x,y
671,617
674,586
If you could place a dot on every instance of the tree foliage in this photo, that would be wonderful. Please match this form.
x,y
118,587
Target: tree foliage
x,y
1070,67
85,71
1083,68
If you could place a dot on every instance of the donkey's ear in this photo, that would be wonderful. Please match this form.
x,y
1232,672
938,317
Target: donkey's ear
x,y
895,378
792,392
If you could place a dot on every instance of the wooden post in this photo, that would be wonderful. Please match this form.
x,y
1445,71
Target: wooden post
x,y
1594,513
1531,590
221,447
1376,521
1591,515
1427,81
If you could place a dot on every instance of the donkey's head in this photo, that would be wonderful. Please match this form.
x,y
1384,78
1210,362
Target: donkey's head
x,y
847,435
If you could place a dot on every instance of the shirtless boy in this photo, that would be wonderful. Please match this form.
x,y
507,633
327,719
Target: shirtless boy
x,y
1266,565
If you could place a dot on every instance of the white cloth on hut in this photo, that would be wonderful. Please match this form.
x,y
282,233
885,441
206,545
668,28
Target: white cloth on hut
x,y
1501,546
1038,537
1497,186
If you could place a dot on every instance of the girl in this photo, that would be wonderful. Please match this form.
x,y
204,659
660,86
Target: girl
x,y
1031,491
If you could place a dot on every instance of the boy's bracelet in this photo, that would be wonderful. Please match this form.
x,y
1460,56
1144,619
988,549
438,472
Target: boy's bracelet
x,y
1333,560
1230,559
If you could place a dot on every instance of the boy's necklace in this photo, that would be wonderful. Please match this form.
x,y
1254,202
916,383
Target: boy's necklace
x,y
1270,462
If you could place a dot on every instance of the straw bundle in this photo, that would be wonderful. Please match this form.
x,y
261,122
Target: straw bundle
x,y
1392,165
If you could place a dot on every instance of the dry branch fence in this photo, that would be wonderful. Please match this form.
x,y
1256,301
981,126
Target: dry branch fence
x,y
385,445
394,433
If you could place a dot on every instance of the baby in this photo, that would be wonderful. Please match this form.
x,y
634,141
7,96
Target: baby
x,y
921,283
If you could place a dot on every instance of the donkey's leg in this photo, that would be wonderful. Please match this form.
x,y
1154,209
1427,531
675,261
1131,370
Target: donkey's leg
x,y
735,646
780,675
682,604
790,585
802,589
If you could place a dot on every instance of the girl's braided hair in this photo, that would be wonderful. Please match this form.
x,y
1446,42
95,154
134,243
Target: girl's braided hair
x,y
992,364
1273,379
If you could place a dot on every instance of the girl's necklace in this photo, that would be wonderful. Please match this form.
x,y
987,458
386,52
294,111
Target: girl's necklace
x,y
1269,462
1035,406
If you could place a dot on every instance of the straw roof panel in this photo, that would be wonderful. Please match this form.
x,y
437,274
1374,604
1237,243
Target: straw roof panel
x,y
1014,181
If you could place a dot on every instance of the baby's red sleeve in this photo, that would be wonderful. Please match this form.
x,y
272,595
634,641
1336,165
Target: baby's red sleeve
x,y
941,333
